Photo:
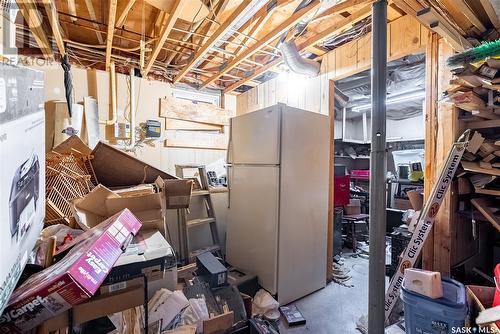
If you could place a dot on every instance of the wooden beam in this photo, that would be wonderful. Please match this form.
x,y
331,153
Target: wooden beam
x,y
431,128
431,19
341,7
93,17
51,9
255,74
490,11
167,28
464,8
262,12
236,15
111,31
271,36
203,30
124,13
72,9
405,7
338,27
341,25
34,20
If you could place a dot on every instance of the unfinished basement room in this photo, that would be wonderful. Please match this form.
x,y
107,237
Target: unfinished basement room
x,y
250,166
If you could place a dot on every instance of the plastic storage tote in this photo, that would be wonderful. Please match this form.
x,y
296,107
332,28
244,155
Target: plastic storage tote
x,y
424,315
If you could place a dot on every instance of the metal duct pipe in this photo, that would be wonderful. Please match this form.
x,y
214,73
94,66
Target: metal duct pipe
x,y
296,62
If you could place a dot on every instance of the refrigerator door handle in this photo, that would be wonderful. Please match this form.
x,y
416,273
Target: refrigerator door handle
x,y
229,172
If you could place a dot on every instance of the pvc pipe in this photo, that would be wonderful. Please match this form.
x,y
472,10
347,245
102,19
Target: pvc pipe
x,y
132,110
112,82
112,90
378,167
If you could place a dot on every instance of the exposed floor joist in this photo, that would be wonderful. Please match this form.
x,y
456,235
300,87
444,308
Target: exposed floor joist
x,y
124,13
111,31
236,15
272,35
332,30
51,9
172,18
93,17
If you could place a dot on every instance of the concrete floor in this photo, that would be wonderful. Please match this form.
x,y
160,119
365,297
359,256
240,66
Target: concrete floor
x,y
336,308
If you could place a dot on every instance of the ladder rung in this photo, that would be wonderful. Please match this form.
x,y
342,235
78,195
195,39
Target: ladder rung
x,y
199,221
211,249
200,193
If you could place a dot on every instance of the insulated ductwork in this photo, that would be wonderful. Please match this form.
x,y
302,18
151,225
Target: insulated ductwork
x,y
296,62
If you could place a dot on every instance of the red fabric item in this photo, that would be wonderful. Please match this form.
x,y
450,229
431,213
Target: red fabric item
x,y
496,299
341,190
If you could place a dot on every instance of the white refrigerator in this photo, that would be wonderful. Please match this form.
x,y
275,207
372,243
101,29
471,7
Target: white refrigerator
x,y
278,199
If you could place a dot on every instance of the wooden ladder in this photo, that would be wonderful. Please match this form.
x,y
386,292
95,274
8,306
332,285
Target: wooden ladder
x,y
186,225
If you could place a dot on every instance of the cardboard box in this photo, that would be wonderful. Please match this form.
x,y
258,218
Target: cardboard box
x,y
22,171
176,192
148,253
73,279
102,203
479,299
96,307
402,204
353,208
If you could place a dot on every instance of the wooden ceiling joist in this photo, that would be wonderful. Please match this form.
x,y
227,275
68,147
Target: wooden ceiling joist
x,y
430,18
93,17
214,38
51,9
337,28
254,75
341,7
272,35
124,12
111,30
221,5
490,11
33,18
312,41
167,28
72,9
464,8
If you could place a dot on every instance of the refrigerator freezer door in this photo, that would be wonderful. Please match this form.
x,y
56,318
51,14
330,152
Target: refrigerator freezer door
x,y
255,137
252,229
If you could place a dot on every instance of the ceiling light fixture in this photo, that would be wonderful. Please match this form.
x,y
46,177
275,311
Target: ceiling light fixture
x,y
394,99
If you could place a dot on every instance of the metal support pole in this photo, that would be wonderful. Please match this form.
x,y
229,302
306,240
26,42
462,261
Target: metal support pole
x,y
378,160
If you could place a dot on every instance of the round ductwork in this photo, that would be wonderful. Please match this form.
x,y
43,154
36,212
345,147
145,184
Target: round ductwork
x,y
296,62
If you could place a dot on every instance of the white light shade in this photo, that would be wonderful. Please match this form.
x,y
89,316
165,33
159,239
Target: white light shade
x,y
395,99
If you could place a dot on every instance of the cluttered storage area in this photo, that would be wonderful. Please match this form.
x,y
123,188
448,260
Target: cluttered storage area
x,y
250,166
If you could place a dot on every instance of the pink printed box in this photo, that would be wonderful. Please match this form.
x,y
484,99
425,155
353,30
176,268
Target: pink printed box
x,y
73,279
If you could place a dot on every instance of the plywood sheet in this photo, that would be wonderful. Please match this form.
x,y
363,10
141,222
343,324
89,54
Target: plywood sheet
x,y
171,107
178,124
197,139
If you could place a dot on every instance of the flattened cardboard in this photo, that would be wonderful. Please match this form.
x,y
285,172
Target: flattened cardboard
x,y
102,203
73,279
115,168
176,192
